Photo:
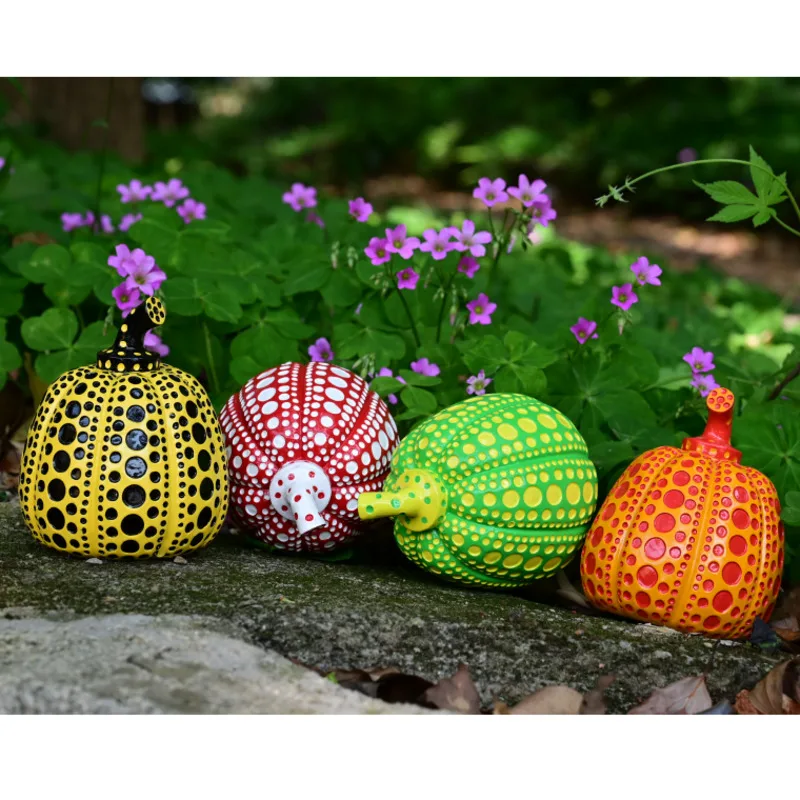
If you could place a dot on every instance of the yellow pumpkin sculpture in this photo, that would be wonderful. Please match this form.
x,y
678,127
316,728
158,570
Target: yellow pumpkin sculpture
x,y
125,457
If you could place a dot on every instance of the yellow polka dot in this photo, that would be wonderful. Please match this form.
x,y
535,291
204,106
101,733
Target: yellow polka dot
x,y
497,544
572,513
469,449
532,496
561,548
532,515
458,540
468,499
512,561
534,548
573,492
506,431
493,557
474,551
547,421
453,462
427,556
532,563
423,443
508,547
554,494
547,514
588,492
552,564
519,515
522,548
486,439
506,516
489,499
531,478
544,476
549,549
511,499
560,514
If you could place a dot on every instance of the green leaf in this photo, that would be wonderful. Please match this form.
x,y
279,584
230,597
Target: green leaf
x,y
607,455
792,499
768,189
728,192
19,255
626,412
419,400
307,277
287,323
352,341
260,343
182,296
343,289
11,297
54,329
415,379
673,378
9,360
522,349
520,379
765,215
158,235
791,516
63,292
49,366
50,262
733,213
487,353
221,303
386,386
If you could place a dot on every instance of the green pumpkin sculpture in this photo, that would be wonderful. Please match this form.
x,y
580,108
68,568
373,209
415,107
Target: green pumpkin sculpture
x,y
494,491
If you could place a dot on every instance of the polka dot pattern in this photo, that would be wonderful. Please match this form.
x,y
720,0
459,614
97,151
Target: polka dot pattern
x,y
125,462
516,487
689,539
304,440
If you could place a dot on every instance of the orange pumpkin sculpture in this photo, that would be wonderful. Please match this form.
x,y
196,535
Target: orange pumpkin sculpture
x,y
689,538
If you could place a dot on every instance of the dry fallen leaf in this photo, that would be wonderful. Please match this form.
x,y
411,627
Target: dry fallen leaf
x,y
569,592
687,696
594,701
549,700
787,629
455,694
778,692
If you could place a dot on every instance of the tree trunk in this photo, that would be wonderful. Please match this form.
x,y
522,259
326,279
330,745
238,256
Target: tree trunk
x,y
68,107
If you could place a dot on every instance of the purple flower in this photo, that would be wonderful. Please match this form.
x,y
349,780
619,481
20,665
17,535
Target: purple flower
x,y
321,350
360,209
153,343
646,272
301,197
699,360
358,309
623,296
2,162
542,211
534,237
71,221
126,297
476,384
398,242
128,220
438,243
169,192
704,383
511,242
385,372
467,239
469,266
124,261
315,218
376,250
481,310
106,224
407,279
687,154
88,219
584,329
424,367
491,192
528,193
191,210
136,193
139,270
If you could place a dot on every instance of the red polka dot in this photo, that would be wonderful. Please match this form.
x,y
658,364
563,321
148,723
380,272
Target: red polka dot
x,y
732,573
673,498
680,478
669,569
655,548
631,560
713,566
722,601
695,618
737,545
663,588
741,519
755,524
708,585
647,576
637,542
718,549
591,563
748,578
642,599
686,519
597,536
628,579
743,593
643,526
590,586
680,536
664,523
702,602
623,487
710,623
675,552
609,510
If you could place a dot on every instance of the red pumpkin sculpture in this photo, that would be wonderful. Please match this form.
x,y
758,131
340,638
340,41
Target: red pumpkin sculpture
x,y
303,441
689,538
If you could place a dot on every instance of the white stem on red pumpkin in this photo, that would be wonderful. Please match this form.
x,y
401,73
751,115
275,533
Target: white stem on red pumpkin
x,y
300,491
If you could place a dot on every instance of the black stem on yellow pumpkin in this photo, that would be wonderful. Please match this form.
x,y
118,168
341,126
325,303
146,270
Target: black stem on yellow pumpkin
x,y
128,353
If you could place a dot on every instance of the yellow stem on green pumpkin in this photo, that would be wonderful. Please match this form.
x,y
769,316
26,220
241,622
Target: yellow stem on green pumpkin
x,y
418,496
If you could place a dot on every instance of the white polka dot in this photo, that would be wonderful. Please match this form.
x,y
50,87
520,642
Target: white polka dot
x,y
352,505
279,441
251,510
282,537
351,467
365,459
267,394
324,536
269,408
237,461
326,421
383,439
339,371
332,408
265,382
320,439
334,394
338,382
376,450
252,470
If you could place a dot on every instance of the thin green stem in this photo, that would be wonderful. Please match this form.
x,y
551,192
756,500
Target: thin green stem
x,y
212,370
780,182
103,151
787,227
403,300
444,305
501,243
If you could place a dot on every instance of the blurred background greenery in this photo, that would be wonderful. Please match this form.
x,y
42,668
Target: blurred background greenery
x,y
580,134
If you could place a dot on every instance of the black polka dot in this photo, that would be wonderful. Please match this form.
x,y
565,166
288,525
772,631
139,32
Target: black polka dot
x,y
204,517
204,459
111,513
113,495
59,540
80,388
199,433
130,546
118,425
56,489
135,467
136,393
196,540
116,439
56,518
136,439
114,476
132,524
135,413
67,433
206,488
73,409
61,461
133,496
